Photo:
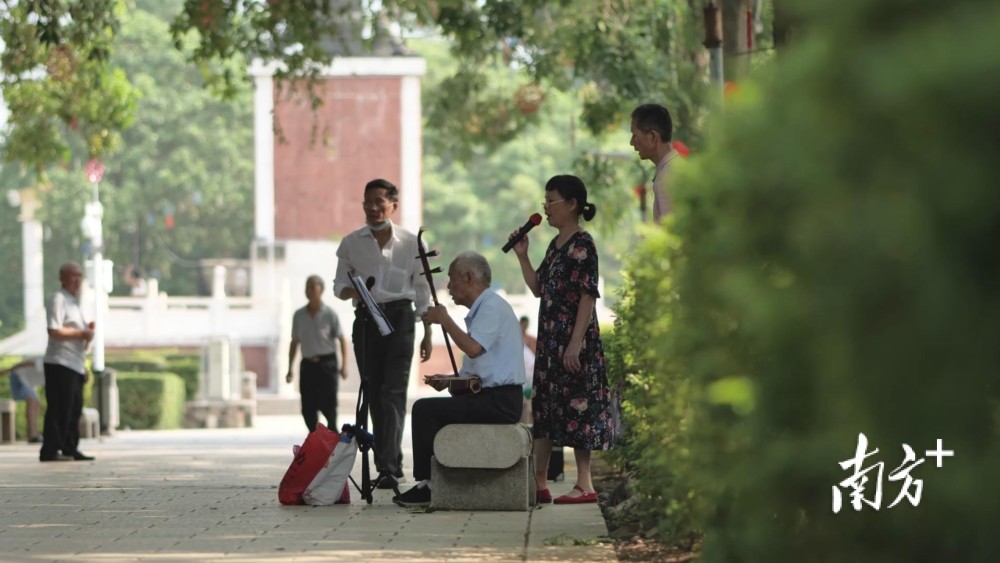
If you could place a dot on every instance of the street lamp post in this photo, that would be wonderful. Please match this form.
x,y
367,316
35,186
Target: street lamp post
x,y
93,229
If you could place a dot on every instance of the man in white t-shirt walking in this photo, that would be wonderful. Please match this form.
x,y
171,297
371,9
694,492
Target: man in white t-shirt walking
x,y
316,327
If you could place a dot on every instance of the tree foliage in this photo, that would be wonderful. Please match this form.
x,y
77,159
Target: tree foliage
x,y
575,68
618,54
182,188
179,189
474,200
58,81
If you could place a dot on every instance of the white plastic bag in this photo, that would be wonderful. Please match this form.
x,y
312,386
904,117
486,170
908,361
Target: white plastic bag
x,y
330,486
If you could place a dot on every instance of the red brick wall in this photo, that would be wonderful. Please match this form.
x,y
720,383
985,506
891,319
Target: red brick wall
x,y
319,185
255,359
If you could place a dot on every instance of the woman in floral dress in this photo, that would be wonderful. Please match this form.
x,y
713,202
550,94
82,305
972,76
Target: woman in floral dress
x,y
571,398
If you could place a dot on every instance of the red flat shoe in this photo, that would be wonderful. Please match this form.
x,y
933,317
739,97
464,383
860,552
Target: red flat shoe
x,y
543,496
584,497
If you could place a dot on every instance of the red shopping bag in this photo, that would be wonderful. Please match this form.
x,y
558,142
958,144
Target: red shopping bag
x,y
331,483
309,459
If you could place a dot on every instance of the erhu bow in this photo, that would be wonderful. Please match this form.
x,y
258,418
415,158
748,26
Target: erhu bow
x,y
424,255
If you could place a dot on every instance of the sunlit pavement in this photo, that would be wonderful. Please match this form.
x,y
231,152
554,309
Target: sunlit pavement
x,y
200,495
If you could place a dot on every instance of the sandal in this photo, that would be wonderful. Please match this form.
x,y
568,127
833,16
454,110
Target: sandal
x,y
584,498
543,496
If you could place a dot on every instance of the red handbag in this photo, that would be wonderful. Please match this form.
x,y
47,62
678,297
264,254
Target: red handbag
x,y
309,459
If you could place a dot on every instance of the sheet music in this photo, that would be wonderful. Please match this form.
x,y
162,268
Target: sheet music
x,y
384,328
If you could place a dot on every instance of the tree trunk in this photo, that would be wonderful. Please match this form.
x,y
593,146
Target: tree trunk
x,y
736,60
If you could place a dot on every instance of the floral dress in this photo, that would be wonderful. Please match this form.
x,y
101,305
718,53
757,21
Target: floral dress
x,y
572,409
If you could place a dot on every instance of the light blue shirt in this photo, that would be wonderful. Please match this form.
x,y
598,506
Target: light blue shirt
x,y
492,323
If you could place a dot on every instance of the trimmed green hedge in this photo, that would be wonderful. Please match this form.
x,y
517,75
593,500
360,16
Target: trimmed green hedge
x,y
187,366
151,400
831,269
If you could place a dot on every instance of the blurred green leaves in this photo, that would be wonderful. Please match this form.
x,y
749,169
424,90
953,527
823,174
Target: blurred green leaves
x,y
625,53
58,82
187,156
830,269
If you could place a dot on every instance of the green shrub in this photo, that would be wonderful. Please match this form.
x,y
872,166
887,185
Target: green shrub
x,y
837,275
155,360
148,365
188,368
171,355
151,400
834,272
658,396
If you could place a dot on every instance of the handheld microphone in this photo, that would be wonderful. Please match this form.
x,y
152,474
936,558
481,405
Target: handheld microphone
x,y
531,224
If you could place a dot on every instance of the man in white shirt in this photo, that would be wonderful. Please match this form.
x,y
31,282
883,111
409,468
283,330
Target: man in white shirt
x,y
652,130
65,372
386,254
493,347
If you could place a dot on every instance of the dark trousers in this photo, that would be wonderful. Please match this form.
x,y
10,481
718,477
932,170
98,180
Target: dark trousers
x,y
64,398
495,405
318,387
384,363
557,464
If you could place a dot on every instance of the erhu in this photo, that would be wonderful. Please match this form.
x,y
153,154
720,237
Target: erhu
x,y
458,385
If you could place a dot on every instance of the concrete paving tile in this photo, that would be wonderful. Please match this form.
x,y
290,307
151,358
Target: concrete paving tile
x,y
62,545
176,496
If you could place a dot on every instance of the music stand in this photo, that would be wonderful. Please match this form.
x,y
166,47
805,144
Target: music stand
x,y
369,312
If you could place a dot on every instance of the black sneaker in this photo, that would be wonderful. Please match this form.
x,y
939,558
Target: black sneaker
x,y
387,482
79,456
417,496
57,457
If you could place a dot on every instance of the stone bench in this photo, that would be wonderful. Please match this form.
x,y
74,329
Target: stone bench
x,y
8,420
482,467
90,423
216,413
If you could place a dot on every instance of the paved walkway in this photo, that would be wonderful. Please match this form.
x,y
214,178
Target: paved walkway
x,y
201,495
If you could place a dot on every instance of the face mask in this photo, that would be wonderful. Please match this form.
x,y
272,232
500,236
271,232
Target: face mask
x,y
381,226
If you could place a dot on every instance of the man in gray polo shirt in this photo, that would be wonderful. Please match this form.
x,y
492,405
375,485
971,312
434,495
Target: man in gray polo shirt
x,y
65,373
315,327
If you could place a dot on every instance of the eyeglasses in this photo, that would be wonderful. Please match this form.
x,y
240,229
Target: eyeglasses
x,y
548,203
